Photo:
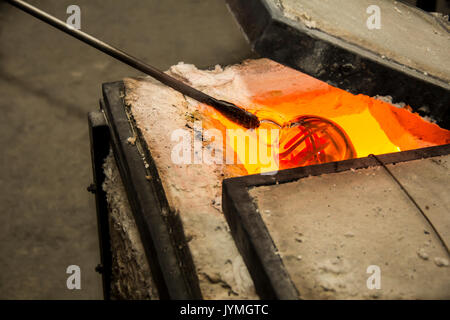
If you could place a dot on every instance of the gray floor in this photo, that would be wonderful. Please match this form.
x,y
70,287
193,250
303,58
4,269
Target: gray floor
x,y
48,83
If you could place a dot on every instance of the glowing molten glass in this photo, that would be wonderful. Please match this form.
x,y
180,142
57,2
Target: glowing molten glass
x,y
321,123
308,140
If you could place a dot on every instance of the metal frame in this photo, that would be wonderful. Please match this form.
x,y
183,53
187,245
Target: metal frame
x,y
99,138
160,229
251,235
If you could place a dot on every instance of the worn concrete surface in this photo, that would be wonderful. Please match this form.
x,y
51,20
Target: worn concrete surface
x,y
329,229
407,35
48,82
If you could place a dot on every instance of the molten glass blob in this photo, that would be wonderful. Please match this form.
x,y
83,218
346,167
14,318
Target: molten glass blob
x,y
308,140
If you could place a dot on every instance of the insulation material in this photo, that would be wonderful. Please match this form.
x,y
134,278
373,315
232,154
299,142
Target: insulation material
x,y
193,190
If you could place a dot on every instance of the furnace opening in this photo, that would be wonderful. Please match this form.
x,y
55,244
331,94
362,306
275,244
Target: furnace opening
x,y
319,123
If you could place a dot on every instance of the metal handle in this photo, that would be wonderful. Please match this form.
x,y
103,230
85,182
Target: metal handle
x,y
230,110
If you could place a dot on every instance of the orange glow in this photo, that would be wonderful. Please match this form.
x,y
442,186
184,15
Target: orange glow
x,y
308,140
372,126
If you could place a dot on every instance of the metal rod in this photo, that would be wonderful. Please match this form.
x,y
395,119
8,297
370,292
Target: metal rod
x,y
230,110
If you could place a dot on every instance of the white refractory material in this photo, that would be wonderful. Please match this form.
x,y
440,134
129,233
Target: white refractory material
x,y
194,190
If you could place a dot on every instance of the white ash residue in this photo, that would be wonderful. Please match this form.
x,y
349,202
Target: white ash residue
x,y
388,99
422,254
443,18
131,277
441,262
201,78
402,105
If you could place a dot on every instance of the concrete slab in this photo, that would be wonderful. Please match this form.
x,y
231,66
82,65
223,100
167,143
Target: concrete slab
x,y
329,229
428,181
406,35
